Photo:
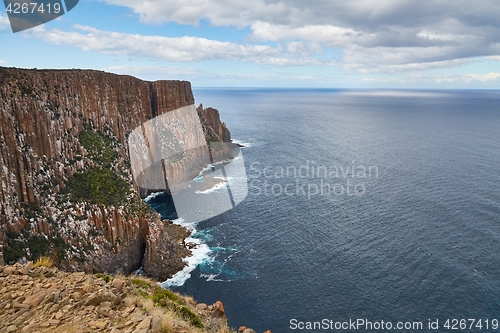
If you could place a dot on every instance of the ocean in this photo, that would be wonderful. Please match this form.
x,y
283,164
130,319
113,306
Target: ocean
x,y
373,206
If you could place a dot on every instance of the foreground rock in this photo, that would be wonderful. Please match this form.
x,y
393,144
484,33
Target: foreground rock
x,y
48,300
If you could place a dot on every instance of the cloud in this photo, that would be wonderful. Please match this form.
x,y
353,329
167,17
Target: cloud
x,y
4,22
359,15
386,35
198,75
162,71
2,62
494,58
465,78
180,49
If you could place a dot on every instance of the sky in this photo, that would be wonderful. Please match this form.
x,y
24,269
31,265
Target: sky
x,y
434,44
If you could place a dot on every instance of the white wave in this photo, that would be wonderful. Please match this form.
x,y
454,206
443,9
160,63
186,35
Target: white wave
x,y
213,277
190,226
242,143
214,188
200,254
152,196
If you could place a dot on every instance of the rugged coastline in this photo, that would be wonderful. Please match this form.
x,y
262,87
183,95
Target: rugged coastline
x,y
67,190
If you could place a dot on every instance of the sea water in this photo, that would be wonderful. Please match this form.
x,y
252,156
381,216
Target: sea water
x,y
362,204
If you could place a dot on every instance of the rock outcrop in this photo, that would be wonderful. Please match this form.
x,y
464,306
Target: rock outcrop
x,y
66,188
41,299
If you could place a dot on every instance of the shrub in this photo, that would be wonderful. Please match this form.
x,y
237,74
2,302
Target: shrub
x,y
98,147
98,186
104,276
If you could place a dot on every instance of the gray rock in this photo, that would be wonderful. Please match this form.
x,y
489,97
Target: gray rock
x,y
201,306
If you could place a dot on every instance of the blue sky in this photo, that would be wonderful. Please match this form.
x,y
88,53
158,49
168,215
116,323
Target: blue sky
x,y
271,43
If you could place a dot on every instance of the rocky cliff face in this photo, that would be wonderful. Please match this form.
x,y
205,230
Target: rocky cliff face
x,y
66,188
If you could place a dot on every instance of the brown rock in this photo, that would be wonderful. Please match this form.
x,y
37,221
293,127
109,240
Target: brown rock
x,y
54,322
9,270
218,311
20,306
100,324
139,317
118,284
249,330
144,324
220,306
104,297
30,328
11,328
37,298
241,329
156,324
27,268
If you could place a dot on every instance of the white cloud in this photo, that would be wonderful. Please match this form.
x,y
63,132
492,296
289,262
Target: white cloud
x,y
465,78
223,12
180,49
386,35
4,22
317,33
163,71
2,61
197,75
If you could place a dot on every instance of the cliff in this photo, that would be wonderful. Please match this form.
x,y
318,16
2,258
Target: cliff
x,y
67,189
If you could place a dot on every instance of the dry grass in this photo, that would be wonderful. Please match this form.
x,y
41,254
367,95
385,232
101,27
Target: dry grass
x,y
225,329
167,318
143,282
190,300
176,310
44,262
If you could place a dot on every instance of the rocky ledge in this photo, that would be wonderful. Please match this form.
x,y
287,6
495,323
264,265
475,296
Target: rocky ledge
x,y
44,299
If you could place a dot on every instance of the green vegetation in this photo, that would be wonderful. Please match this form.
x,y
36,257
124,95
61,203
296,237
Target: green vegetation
x,y
16,246
161,295
98,186
25,91
13,249
166,299
99,147
38,245
31,210
104,276
141,283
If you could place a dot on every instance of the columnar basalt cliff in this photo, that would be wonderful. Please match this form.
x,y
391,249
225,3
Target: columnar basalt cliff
x,y
66,185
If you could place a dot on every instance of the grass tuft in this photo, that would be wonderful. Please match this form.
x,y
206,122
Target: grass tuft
x,y
44,262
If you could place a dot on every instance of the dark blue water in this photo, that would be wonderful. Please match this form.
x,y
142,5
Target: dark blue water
x,y
416,238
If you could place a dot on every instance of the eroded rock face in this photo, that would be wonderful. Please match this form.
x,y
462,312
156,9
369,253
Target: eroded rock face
x,y
43,114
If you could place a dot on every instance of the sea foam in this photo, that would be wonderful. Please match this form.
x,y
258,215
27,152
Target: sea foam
x,y
199,254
